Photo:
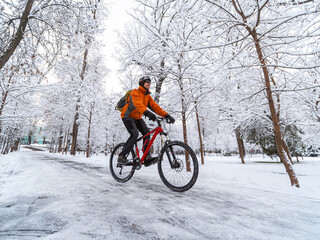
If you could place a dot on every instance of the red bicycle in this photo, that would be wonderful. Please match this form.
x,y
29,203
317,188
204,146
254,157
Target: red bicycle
x,y
177,163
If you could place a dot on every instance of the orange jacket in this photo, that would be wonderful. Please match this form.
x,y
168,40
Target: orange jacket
x,y
139,100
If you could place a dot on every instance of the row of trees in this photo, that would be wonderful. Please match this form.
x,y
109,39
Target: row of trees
x,y
50,67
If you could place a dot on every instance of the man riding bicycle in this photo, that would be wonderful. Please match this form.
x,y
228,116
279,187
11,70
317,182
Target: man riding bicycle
x,y
131,115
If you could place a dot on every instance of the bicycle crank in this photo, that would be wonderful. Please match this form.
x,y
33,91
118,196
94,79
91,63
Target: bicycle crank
x,y
137,163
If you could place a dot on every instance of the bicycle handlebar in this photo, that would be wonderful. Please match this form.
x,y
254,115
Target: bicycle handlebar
x,y
159,119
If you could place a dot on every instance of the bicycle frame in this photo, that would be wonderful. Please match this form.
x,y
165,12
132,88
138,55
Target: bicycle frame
x,y
156,131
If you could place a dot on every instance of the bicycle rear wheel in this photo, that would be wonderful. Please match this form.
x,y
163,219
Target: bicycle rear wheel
x,y
125,172
178,166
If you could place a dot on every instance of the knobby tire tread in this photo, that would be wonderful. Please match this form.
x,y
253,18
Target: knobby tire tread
x,y
193,159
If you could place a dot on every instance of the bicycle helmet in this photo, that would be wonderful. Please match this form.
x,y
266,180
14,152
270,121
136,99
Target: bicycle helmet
x,y
143,80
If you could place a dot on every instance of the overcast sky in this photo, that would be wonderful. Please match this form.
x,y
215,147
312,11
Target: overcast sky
x,y
115,21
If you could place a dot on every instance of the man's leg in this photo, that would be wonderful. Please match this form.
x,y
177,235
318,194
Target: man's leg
x,y
131,127
142,127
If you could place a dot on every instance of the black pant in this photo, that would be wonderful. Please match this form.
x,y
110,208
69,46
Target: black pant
x,y
133,125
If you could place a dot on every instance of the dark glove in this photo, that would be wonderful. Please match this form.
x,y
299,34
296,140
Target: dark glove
x,y
150,115
170,119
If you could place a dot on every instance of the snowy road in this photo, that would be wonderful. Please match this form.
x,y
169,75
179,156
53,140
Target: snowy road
x,y
49,196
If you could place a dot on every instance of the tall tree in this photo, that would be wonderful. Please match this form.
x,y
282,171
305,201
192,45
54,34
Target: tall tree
x,y
270,37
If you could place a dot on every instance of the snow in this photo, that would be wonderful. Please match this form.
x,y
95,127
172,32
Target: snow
x,y
54,196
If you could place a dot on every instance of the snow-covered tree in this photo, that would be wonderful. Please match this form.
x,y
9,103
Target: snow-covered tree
x,y
33,33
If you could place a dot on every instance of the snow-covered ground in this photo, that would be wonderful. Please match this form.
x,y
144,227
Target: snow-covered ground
x,y
52,196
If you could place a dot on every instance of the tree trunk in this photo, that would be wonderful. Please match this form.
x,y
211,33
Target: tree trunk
x,y
275,122
240,145
184,120
287,151
76,117
51,148
6,148
60,141
185,138
199,131
15,145
56,146
66,144
204,149
4,58
5,143
89,131
75,131
4,99
159,83
106,152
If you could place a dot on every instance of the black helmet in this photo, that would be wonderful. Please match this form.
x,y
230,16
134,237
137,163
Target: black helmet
x,y
143,80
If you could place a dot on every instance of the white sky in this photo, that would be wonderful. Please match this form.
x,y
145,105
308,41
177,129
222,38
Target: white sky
x,y
115,21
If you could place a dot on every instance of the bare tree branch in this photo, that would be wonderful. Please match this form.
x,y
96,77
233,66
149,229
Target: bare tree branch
x,y
4,58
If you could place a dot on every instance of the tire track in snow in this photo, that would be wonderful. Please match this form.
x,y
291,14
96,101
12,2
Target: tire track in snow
x,y
225,207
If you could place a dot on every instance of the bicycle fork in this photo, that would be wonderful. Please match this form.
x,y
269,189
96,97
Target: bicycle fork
x,y
169,150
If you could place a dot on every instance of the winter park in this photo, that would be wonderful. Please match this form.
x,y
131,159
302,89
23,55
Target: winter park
x,y
160,119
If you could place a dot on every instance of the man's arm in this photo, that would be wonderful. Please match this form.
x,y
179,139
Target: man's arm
x,y
156,108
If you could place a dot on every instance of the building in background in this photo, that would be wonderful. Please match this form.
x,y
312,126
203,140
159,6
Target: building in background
x,y
37,135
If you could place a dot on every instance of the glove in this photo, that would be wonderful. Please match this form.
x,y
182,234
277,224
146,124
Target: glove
x,y
150,115
170,119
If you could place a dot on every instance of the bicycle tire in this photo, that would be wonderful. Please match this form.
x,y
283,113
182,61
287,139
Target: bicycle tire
x,y
181,177
117,172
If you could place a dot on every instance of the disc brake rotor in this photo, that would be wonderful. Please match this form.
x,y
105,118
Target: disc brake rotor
x,y
178,165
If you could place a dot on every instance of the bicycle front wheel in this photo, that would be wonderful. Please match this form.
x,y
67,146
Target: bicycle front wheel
x,y
121,173
178,166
